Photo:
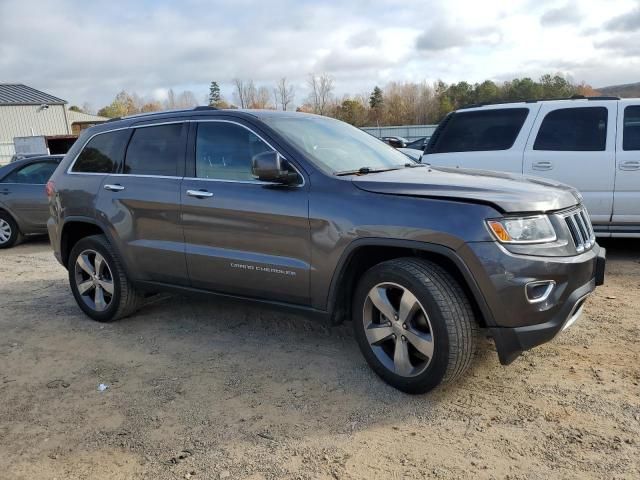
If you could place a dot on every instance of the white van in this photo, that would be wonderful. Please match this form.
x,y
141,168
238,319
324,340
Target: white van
x,y
591,143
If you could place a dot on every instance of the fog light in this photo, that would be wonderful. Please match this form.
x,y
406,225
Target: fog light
x,y
537,292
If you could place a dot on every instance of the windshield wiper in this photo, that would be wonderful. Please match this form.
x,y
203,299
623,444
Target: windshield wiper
x,y
364,171
414,165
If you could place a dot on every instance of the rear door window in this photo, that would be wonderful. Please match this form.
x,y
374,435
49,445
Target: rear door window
x,y
573,130
156,150
482,130
102,153
631,130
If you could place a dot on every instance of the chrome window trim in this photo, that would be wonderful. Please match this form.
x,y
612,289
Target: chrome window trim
x,y
70,171
17,183
141,175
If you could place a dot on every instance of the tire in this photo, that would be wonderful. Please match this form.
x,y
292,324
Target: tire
x,y
119,298
10,234
432,334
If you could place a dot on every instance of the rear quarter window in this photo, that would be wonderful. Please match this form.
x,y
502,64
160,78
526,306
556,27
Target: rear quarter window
x,y
478,131
102,153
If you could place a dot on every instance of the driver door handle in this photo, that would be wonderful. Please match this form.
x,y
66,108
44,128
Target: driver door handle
x,y
114,188
199,193
542,166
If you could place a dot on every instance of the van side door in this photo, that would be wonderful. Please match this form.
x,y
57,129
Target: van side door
x,y
487,138
626,198
574,142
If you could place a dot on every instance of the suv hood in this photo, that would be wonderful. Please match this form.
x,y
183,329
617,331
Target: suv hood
x,y
507,192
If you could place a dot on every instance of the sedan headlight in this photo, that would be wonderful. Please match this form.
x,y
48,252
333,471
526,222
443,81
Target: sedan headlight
x,y
537,229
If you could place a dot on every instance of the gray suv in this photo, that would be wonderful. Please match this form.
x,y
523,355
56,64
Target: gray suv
x,y
308,212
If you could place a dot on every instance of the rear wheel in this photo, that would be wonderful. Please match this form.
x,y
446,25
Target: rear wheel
x,y
9,232
414,324
98,280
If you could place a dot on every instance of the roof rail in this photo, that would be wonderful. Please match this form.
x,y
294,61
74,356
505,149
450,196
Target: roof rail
x,y
574,97
178,110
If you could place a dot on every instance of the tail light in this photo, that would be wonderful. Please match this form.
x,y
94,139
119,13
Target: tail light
x,y
50,188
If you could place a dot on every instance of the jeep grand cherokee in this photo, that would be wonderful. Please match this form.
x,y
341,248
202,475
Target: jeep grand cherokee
x,y
312,213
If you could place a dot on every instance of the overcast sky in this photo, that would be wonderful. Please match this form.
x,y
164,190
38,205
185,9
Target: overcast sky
x,y
82,51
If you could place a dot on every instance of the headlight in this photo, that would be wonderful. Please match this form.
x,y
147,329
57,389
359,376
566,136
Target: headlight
x,y
536,229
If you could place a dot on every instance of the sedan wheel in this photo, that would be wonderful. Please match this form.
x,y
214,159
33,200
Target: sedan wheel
x,y
94,280
5,231
398,329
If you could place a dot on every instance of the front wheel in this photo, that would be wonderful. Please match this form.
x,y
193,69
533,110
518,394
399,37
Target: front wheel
x,y
414,324
98,280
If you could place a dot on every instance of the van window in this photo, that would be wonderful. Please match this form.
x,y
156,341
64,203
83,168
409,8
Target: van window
x,y
481,130
573,130
156,150
631,131
102,153
224,151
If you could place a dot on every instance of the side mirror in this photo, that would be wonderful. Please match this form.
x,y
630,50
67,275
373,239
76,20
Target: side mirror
x,y
271,167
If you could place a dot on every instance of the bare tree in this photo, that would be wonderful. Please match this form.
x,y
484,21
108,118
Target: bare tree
x,y
170,103
260,98
321,92
186,99
239,94
246,93
283,94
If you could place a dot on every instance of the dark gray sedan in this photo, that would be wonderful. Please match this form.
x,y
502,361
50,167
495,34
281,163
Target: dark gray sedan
x,y
23,201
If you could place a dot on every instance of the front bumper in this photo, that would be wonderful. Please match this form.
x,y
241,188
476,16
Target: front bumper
x,y
519,324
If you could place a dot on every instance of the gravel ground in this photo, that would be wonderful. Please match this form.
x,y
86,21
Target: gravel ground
x,y
199,388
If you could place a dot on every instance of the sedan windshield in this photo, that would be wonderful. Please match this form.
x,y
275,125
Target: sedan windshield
x,y
335,146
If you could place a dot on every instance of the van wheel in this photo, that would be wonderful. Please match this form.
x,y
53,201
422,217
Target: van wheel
x,y
414,324
9,232
98,280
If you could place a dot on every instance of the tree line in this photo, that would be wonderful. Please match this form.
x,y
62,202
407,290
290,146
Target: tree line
x,y
397,103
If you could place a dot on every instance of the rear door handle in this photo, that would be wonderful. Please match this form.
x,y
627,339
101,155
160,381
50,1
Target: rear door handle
x,y
5,191
199,193
542,166
114,188
630,165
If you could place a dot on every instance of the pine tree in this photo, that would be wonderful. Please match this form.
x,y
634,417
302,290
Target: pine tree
x,y
376,99
214,94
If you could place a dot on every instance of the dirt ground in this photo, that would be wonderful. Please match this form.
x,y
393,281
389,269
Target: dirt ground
x,y
199,388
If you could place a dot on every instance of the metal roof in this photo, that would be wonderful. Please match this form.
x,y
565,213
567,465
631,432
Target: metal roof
x,y
18,94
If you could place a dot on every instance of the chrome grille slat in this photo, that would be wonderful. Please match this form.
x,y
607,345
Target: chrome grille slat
x,y
580,228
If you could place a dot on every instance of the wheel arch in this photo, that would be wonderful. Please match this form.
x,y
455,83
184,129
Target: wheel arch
x,y
75,229
363,254
4,209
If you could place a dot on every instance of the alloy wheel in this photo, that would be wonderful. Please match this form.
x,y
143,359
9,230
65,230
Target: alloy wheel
x,y
5,231
94,280
398,329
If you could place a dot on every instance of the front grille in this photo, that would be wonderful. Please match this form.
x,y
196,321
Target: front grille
x,y
581,230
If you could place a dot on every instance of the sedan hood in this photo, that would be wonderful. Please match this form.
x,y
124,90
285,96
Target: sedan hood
x,y
507,192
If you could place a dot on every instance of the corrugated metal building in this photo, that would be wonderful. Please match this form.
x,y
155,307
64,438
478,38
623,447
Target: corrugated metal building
x,y
24,112
410,132
79,121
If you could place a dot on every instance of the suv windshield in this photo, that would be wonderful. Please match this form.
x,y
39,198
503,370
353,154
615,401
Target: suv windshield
x,y
336,146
